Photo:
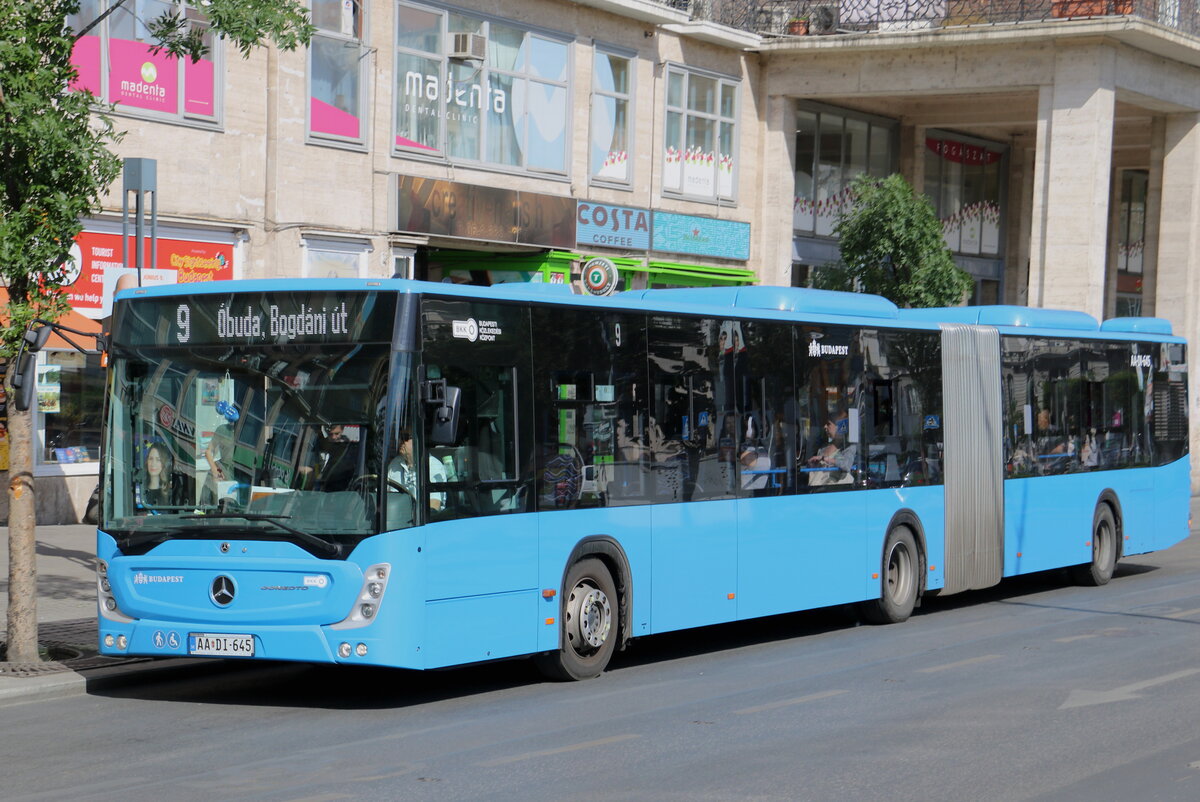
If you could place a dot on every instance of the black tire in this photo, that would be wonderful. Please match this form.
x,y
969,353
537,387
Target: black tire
x,y
590,613
901,580
1104,549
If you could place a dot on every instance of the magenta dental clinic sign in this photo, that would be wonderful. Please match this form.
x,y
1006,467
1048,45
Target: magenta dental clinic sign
x,y
138,78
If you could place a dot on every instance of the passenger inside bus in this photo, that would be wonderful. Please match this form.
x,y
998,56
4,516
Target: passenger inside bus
x,y
402,473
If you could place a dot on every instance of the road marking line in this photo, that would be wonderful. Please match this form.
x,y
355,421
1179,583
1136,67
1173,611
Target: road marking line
x,y
970,661
378,777
558,750
1185,613
1082,698
799,700
1074,638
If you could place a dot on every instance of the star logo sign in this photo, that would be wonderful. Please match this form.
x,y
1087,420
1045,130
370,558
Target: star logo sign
x,y
222,591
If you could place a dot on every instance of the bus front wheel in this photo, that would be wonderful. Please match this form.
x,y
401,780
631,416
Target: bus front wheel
x,y
1104,549
901,580
589,620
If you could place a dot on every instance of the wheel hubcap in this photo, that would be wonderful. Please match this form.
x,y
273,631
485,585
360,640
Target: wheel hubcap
x,y
590,617
899,573
1102,544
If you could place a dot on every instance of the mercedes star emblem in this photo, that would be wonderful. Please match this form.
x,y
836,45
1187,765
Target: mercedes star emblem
x,y
222,591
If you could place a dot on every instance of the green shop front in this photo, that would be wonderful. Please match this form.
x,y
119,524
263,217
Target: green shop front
x,y
472,234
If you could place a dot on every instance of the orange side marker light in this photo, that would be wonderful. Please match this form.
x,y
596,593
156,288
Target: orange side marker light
x,y
874,576
549,621
549,593
729,595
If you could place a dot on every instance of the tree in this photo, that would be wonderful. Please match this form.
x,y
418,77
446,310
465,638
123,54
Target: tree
x,y
891,245
56,163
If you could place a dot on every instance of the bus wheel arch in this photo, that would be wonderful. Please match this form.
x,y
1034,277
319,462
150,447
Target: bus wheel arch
x,y
1106,542
902,572
594,610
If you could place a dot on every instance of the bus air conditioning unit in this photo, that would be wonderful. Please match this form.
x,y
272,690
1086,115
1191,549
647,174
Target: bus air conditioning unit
x,y
468,47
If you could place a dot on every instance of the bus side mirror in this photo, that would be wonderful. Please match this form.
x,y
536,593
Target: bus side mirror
x,y
24,381
446,399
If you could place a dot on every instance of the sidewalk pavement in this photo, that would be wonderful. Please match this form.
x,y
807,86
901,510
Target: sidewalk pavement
x,y
66,611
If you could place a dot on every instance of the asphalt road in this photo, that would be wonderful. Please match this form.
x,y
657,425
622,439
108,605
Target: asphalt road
x,y
1036,689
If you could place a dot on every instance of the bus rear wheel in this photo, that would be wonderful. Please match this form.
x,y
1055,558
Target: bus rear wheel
x,y
1104,549
901,580
589,620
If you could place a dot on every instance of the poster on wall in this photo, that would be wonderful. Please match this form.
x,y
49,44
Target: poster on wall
x,y
96,265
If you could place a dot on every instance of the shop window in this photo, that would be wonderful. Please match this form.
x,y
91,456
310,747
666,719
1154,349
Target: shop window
x,y
335,259
1131,241
115,62
478,90
70,393
612,117
701,135
336,109
964,181
833,147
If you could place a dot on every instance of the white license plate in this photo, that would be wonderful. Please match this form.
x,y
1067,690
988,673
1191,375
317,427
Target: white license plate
x,y
212,645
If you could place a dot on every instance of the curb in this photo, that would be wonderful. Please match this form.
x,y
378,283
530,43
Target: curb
x,y
65,684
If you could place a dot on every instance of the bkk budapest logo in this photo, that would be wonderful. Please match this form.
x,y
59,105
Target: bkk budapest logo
x,y
816,349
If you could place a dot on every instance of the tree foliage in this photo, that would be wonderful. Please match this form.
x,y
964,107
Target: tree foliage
x,y
891,245
55,161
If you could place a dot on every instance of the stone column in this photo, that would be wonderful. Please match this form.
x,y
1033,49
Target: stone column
x,y
778,188
1177,277
1068,237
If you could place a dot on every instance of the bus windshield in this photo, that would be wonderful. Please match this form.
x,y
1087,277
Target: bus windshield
x,y
282,441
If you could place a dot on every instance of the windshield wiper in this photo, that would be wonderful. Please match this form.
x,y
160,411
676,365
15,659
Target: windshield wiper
x,y
332,549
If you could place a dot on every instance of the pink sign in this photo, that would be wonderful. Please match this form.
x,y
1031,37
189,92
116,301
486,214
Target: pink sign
x,y
139,78
329,119
86,58
198,88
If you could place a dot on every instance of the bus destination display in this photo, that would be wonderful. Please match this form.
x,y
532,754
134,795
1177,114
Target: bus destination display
x,y
244,319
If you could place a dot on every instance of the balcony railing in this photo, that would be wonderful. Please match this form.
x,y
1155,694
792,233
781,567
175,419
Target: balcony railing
x,y
823,17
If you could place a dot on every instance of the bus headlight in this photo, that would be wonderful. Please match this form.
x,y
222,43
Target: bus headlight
x,y
109,608
343,650
370,597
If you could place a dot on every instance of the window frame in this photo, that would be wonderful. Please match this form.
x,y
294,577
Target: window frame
x,y
630,99
483,76
358,39
216,57
938,202
41,465
722,81
873,122
360,249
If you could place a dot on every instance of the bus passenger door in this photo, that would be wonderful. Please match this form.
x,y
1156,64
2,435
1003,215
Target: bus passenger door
x,y
480,545
691,434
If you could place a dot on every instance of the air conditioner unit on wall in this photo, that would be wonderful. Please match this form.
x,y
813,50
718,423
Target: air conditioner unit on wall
x,y
471,46
823,19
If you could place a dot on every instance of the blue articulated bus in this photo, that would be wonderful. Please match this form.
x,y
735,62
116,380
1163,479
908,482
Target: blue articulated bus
x,y
425,475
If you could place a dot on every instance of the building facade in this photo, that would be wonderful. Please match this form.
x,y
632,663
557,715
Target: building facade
x,y
617,144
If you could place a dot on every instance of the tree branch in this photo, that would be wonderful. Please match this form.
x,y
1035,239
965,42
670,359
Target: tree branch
x,y
99,19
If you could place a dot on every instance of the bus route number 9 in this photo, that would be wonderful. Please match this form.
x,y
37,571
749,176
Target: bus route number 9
x,y
183,319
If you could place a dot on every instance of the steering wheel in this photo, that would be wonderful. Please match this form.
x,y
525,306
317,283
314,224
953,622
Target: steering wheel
x,y
368,480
